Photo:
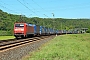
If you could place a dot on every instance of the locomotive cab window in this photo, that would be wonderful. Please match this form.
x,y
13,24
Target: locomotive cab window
x,y
19,25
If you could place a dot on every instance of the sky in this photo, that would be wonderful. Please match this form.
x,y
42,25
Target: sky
x,y
47,8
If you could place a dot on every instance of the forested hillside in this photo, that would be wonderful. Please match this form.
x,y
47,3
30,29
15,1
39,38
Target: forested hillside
x,y
7,22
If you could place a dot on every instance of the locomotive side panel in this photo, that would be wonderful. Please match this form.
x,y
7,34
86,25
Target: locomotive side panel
x,y
30,30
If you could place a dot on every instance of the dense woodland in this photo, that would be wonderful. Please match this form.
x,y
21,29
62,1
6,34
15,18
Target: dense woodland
x,y
7,22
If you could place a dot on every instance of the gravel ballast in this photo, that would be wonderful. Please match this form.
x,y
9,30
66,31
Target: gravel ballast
x,y
17,53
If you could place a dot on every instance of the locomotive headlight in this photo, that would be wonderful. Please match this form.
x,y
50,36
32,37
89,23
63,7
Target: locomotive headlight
x,y
16,29
22,29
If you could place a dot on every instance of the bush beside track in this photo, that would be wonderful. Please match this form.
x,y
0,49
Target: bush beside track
x,y
64,47
5,33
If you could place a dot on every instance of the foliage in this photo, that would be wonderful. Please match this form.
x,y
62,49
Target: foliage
x,y
5,33
7,22
88,31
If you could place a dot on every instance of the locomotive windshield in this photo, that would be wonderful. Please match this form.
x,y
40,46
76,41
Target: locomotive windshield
x,y
19,25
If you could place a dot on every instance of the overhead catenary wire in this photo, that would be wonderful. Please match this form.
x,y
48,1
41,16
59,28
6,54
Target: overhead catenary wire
x,y
34,8
58,9
28,4
46,11
27,7
7,8
41,8
23,5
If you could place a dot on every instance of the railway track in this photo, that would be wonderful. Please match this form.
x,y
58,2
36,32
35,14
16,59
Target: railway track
x,y
7,44
16,49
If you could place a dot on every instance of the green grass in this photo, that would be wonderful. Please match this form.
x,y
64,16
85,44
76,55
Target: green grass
x,y
6,37
64,47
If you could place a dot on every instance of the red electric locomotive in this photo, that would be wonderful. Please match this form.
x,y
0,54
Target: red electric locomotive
x,y
22,30
26,30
